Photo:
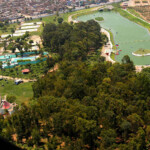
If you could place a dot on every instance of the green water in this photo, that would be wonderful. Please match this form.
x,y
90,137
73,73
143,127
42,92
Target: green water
x,y
129,35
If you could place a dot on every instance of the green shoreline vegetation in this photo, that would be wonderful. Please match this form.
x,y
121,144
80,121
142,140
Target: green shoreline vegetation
x,y
99,19
142,51
87,12
134,12
131,17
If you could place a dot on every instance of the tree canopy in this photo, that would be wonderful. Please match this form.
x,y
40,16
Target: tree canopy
x,y
82,106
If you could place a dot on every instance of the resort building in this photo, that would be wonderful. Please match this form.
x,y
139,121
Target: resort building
x,y
6,106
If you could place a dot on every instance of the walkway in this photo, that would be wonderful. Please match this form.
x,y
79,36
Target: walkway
x,y
107,46
24,80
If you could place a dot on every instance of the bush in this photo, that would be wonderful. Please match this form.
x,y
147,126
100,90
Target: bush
x,y
99,18
11,98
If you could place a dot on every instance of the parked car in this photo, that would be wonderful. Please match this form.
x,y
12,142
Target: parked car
x,y
18,81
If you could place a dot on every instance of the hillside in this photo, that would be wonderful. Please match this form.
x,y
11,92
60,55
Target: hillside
x,y
88,103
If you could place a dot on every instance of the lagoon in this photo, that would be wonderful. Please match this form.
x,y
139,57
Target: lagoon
x,y
129,35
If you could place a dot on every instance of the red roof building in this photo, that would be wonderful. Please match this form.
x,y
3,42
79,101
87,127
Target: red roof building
x,y
6,105
25,71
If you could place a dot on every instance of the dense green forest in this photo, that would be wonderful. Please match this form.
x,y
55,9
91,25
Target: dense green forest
x,y
83,106
73,42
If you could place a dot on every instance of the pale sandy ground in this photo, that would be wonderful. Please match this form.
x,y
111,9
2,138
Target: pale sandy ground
x,y
1,50
54,69
107,46
11,78
36,38
140,67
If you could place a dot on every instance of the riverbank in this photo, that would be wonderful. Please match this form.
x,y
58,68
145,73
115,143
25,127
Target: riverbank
x,y
108,46
72,17
125,13
148,54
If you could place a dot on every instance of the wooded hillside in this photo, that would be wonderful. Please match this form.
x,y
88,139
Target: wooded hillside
x,y
82,106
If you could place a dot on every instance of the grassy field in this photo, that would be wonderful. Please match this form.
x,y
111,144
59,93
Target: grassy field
x,y
144,11
8,28
23,91
132,11
53,19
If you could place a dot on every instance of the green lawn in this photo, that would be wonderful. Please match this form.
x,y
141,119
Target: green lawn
x,y
134,12
23,91
112,56
8,28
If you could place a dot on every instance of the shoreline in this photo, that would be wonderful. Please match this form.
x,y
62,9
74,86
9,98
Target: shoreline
x,y
109,43
108,58
139,55
110,47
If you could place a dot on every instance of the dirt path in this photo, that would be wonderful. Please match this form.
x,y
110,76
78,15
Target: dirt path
x,y
54,69
11,78
108,46
36,39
